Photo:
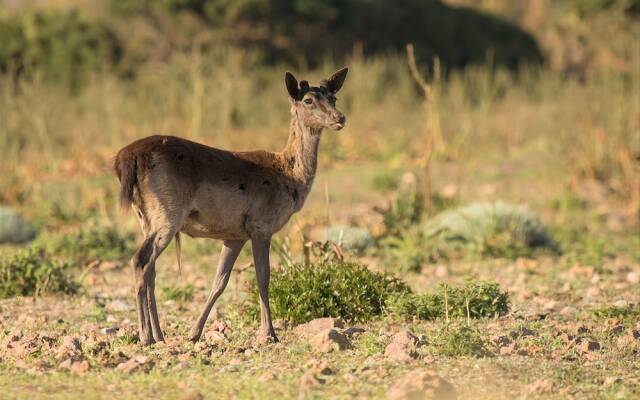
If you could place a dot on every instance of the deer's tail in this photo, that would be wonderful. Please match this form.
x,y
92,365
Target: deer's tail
x,y
125,166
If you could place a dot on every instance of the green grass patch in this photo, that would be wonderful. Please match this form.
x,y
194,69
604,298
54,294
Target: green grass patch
x,y
33,272
299,293
96,314
176,293
628,312
95,242
473,299
457,340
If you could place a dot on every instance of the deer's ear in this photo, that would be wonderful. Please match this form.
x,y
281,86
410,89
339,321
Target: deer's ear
x,y
292,85
334,83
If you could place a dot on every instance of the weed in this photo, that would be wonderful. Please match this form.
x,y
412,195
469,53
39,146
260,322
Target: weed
x,y
94,242
180,294
405,251
385,181
371,343
459,340
33,272
350,291
96,314
404,211
630,312
474,299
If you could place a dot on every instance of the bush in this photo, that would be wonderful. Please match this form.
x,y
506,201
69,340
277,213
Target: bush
x,y
61,46
459,340
94,242
489,230
349,237
299,293
33,272
484,299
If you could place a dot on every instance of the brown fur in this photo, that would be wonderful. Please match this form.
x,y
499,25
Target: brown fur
x,y
177,185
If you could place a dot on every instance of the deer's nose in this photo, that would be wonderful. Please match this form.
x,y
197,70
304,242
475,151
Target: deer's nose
x,y
342,119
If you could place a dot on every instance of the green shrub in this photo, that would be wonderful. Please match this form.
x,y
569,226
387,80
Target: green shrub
x,y
475,299
402,213
180,294
458,340
61,46
33,272
91,243
489,230
405,251
299,293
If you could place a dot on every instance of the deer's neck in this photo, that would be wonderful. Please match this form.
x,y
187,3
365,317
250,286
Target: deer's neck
x,y
301,152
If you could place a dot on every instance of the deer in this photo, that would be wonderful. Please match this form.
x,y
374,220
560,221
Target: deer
x,y
174,185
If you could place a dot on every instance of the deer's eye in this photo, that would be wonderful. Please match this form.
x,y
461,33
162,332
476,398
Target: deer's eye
x,y
308,101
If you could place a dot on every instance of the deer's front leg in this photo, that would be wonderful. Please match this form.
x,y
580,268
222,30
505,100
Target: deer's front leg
x,y
228,256
260,248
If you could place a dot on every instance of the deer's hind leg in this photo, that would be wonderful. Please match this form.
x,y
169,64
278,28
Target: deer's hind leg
x,y
158,234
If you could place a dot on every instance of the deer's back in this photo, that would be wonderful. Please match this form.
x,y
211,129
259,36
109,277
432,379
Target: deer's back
x,y
214,193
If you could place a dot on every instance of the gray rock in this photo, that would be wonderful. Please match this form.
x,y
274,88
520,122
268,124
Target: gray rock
x,y
14,228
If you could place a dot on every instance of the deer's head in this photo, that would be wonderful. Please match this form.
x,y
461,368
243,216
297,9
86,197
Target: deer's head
x,y
316,105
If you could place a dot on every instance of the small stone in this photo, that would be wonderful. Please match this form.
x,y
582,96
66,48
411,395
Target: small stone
x,y
421,384
633,277
309,379
330,340
70,346
318,325
507,349
402,347
353,332
109,330
214,336
80,367
586,346
135,364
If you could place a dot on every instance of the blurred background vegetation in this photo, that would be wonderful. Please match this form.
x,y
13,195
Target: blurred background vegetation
x,y
535,102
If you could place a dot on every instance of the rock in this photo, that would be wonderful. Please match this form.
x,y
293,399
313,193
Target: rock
x,y
353,332
77,365
214,337
318,325
109,330
14,228
421,384
319,367
633,277
69,347
402,347
308,380
221,326
507,349
330,340
587,345
135,364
